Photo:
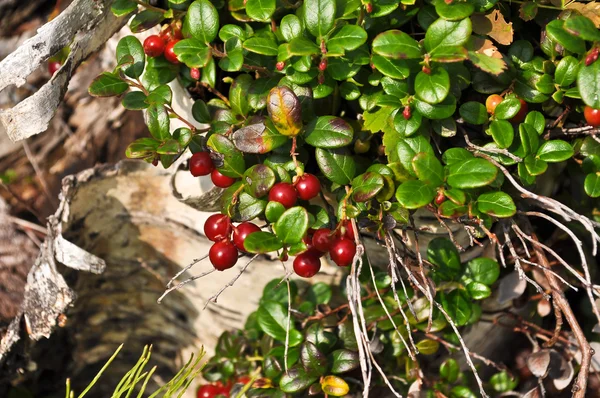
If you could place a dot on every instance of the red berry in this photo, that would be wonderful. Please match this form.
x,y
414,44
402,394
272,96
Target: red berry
x,y
217,227
223,255
406,112
492,102
592,116
307,264
53,66
154,46
308,186
323,65
322,240
342,252
243,379
220,180
346,230
195,73
369,8
280,65
241,232
426,70
591,57
171,32
440,198
201,164
208,391
520,116
169,53
284,193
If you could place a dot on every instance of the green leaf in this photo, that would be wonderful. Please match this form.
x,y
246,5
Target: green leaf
x,y
454,11
134,100
144,20
238,94
323,339
529,138
483,270
343,361
123,7
433,87
442,253
473,112
488,64
260,10
290,27
258,138
328,132
272,319
201,21
261,45
443,110
302,46
200,112
346,38
588,82
534,165
334,386
159,71
337,165
462,392
142,148
456,155
449,54
233,160
292,225
407,148
366,186
131,46
408,127
428,169
497,204
555,31
428,346
192,52
471,173
536,119
582,27
169,147
319,16
566,71
508,108
394,68
230,31
591,185
450,370
259,179
502,132
458,306
161,95
319,293
285,110
273,211
414,194
397,45
443,33
478,291
503,382
158,122
314,361
554,151
296,379
262,242
107,85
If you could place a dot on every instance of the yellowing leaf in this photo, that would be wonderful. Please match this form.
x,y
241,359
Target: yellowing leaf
x,y
590,10
484,46
493,25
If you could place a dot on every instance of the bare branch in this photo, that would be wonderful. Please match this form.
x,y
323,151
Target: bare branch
x,y
182,284
214,297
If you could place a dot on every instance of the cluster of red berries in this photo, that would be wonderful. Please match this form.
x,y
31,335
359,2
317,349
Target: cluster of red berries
x,y
305,187
163,43
201,165
219,389
339,244
229,239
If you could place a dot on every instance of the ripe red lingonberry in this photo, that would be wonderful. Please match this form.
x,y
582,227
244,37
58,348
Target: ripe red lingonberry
x,y
520,116
346,230
440,198
592,116
201,164
170,53
342,252
217,227
308,186
154,46
492,102
223,255
322,239
369,8
426,70
323,65
406,113
280,65
284,193
220,180
195,73
208,391
307,264
591,57
53,66
241,232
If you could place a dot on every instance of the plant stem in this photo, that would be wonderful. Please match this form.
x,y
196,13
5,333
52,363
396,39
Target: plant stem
x,y
215,92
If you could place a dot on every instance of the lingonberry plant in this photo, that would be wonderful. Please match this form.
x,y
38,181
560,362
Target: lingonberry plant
x,y
345,118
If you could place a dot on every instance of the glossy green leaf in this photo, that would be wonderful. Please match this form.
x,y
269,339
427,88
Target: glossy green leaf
x,y
161,95
428,346
233,160
591,185
328,132
296,379
366,186
442,253
566,71
343,361
408,127
456,155
145,20
537,121
272,319
534,165
443,110
414,194
291,27
443,33
258,180
497,204
273,211
192,52
473,112
478,291
394,68
200,112
449,54
458,306
319,16
508,108
246,208
312,359
454,11
433,87
428,168
483,270
201,21
230,31
588,82
159,71
134,100
488,64
260,10
142,148
529,138
131,46
502,132
158,122
338,165
107,85
503,382
471,173
450,370
123,7
582,27
261,45
555,31
554,151
346,38
292,225
397,45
